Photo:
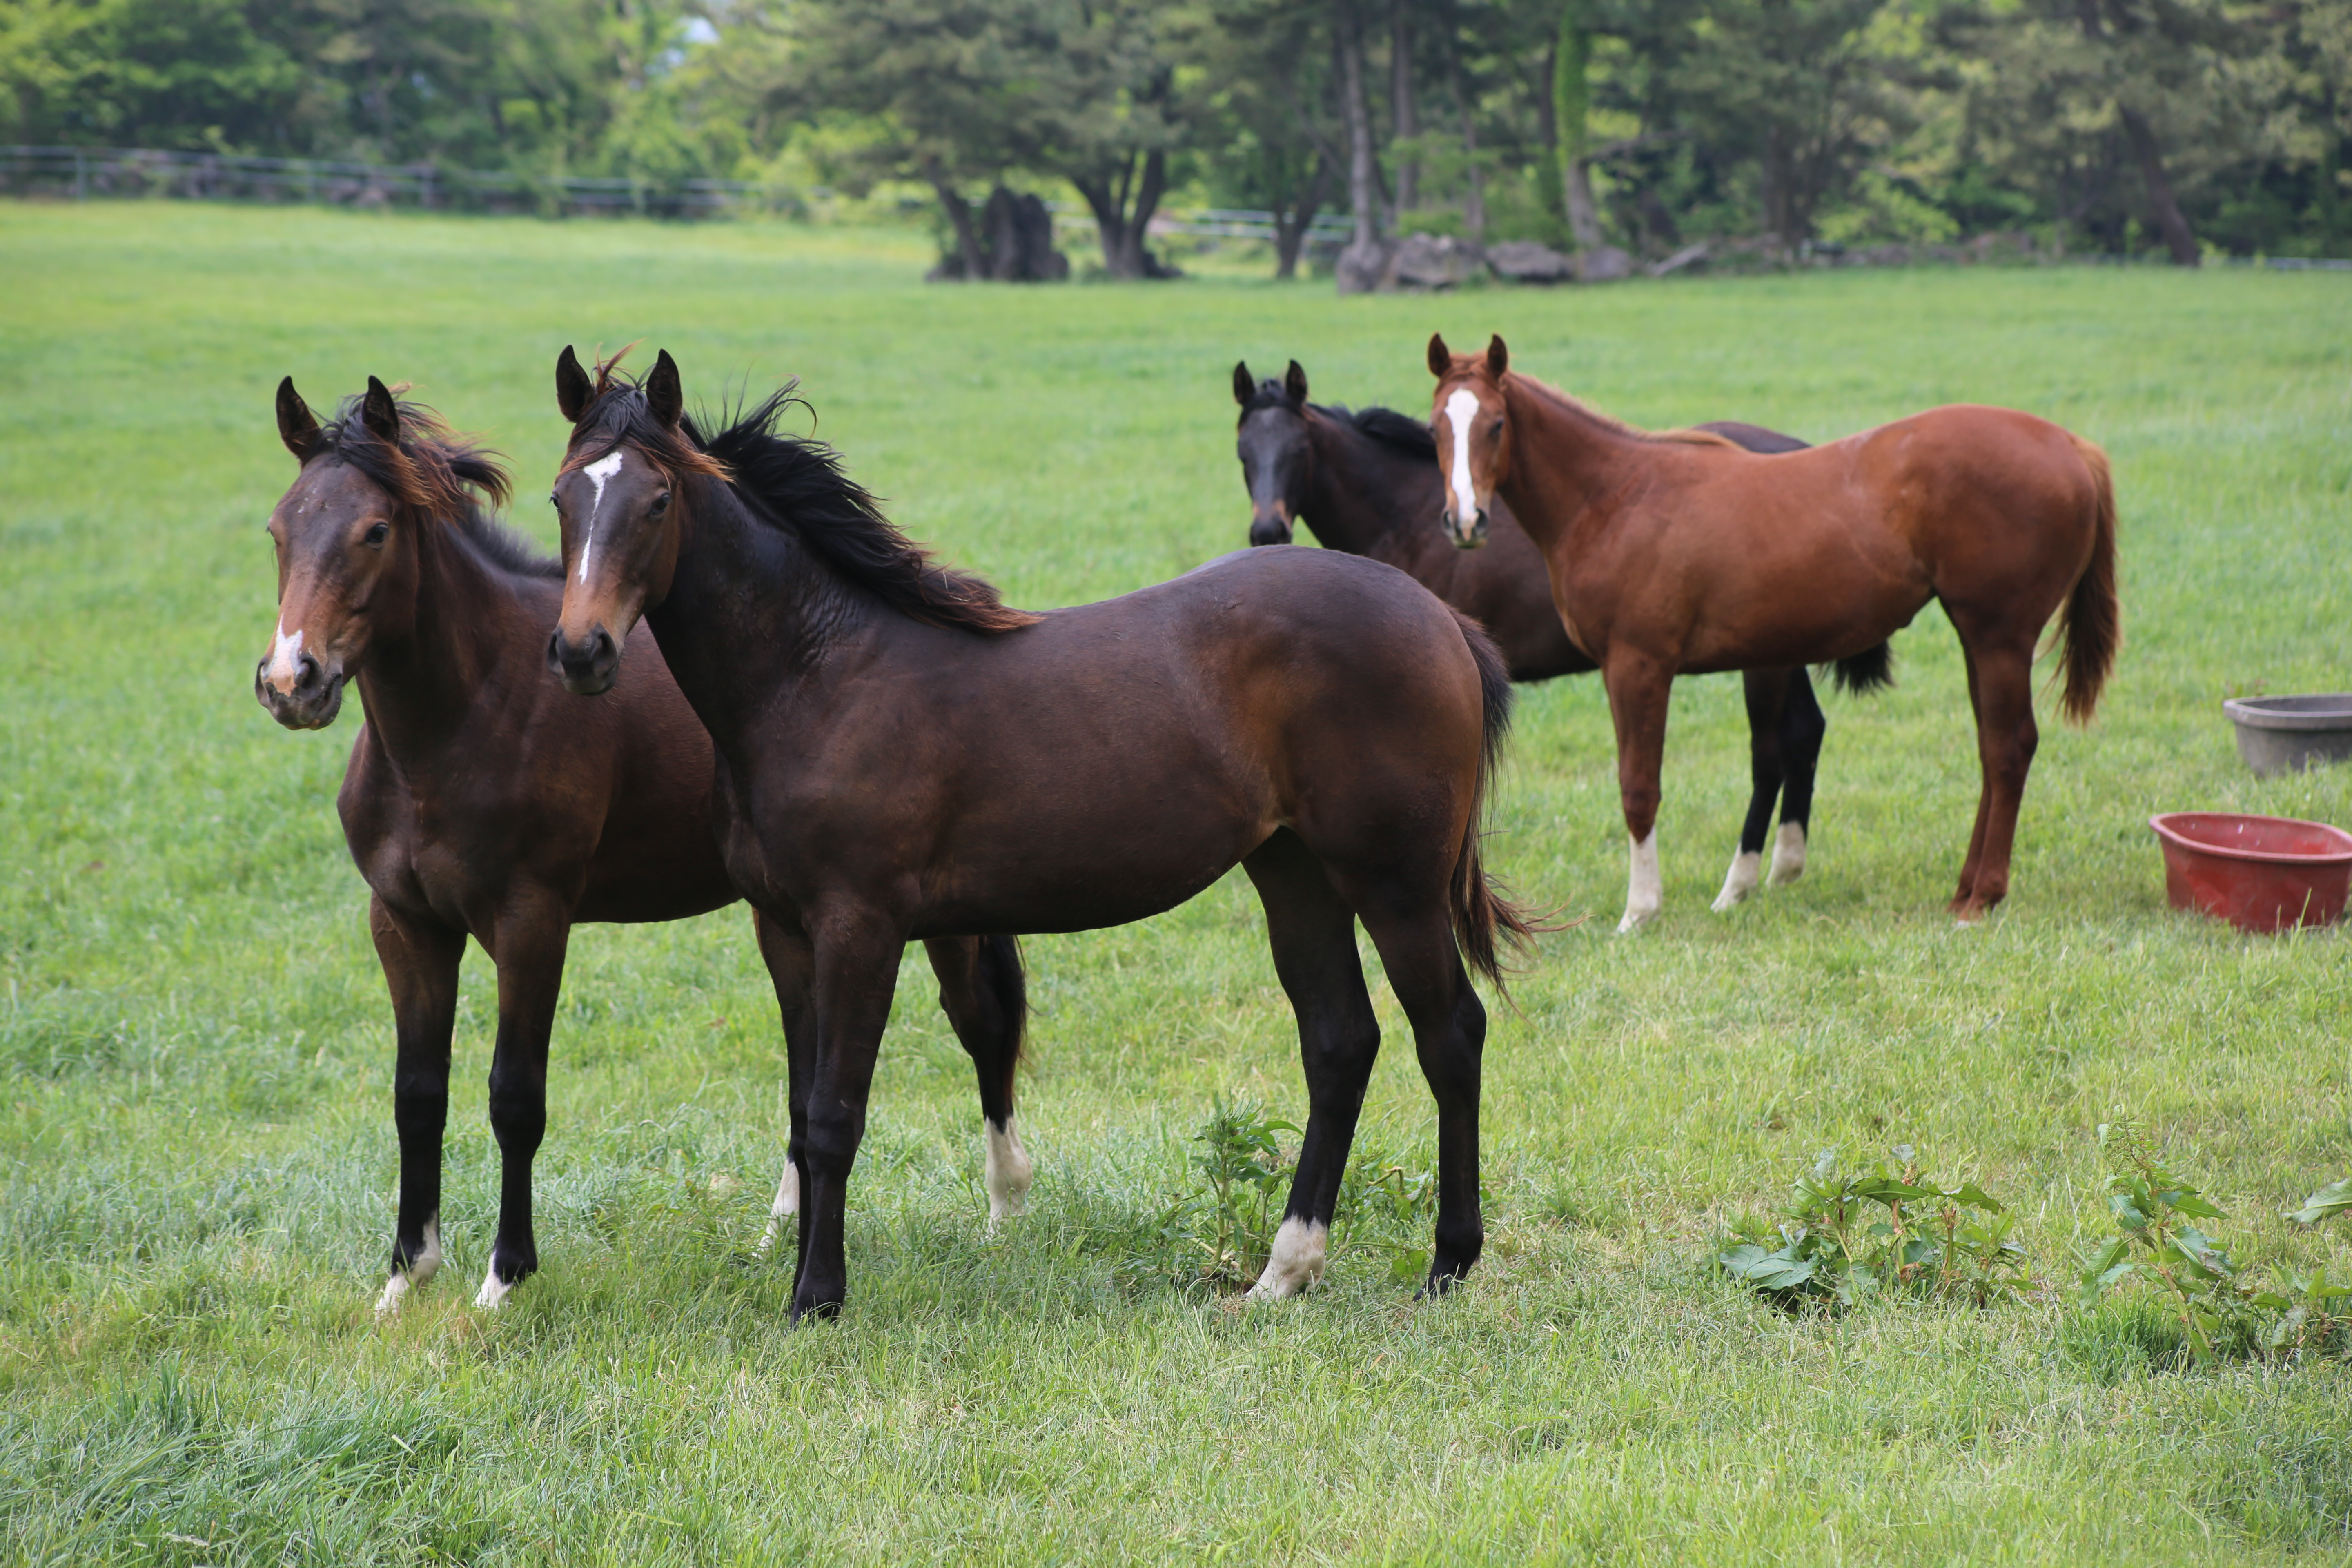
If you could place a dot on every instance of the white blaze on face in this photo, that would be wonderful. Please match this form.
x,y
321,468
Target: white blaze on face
x,y
1460,410
427,1263
1789,853
1296,1261
1009,1172
1644,893
598,472
285,660
787,1204
1746,870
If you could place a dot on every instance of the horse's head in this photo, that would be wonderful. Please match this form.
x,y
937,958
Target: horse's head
x,y
1473,434
1276,458
346,547
617,498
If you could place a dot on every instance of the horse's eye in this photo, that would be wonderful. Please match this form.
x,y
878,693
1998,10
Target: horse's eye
x,y
377,535
661,503
552,501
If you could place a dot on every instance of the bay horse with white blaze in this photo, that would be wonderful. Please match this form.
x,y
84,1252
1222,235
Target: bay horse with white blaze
x,y
481,799
1367,481
901,753
1680,552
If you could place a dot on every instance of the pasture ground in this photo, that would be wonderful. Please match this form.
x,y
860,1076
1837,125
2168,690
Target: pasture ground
x,y
196,1154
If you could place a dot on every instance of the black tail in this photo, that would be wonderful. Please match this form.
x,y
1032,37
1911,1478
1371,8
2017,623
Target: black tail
x,y
1477,908
1003,978
1866,672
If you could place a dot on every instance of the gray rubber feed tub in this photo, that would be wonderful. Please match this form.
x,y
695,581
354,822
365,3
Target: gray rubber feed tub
x,y
2287,734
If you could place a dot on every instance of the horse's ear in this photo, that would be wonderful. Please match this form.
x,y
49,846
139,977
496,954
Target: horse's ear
x,y
1441,358
1499,358
296,425
1243,386
380,414
574,391
1293,386
664,395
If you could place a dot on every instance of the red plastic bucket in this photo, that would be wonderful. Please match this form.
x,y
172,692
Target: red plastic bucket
x,y
2260,873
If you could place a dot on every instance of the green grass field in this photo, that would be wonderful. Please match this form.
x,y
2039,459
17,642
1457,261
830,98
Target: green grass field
x,y
195,1120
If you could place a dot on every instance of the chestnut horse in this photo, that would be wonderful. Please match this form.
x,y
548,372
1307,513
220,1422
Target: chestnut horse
x,y
900,755
1367,482
1680,552
480,799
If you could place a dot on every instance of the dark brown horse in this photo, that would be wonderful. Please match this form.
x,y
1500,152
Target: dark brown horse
x,y
900,755
1681,553
481,799
1368,482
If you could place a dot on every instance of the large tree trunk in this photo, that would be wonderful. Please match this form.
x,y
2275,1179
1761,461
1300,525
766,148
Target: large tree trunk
x,y
1473,201
1473,198
2178,237
1290,228
959,211
2169,219
1122,224
1403,124
1364,263
1572,97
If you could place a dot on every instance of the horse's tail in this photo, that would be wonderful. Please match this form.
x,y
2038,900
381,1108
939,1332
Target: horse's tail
x,y
1003,977
1870,670
2091,624
1476,908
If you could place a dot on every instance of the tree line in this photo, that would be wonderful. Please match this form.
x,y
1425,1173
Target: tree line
x,y
2136,127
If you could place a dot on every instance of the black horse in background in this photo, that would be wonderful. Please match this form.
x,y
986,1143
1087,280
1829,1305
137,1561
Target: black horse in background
x,y
1368,483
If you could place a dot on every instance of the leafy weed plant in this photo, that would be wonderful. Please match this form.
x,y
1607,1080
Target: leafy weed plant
x,y
1219,1233
1851,1237
2221,1313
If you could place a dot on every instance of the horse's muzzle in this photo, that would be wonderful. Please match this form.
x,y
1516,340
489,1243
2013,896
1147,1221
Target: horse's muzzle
x,y
587,668
311,703
1469,538
1269,531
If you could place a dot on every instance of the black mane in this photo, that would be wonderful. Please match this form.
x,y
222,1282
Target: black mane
x,y
1390,428
799,485
1400,432
439,474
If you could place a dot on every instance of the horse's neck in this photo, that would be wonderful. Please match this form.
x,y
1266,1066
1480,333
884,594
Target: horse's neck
x,y
468,631
1356,503
751,613
1564,468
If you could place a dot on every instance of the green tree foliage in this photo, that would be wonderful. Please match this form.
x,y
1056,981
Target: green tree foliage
x,y
2148,126
195,75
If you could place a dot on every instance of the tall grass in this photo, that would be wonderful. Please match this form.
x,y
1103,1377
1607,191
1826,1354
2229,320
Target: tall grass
x,y
196,1148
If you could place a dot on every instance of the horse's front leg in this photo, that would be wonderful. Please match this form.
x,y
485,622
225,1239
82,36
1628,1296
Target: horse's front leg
x,y
856,972
1639,686
420,966
792,970
528,943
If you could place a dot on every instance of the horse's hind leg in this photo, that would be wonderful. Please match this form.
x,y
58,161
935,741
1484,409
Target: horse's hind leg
x,y
2001,687
1639,688
1449,1034
1313,933
528,949
420,966
984,994
1767,692
1802,729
